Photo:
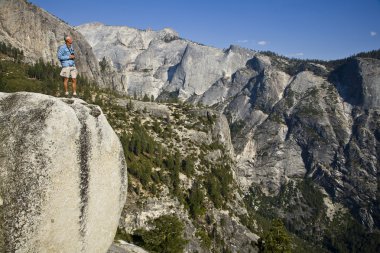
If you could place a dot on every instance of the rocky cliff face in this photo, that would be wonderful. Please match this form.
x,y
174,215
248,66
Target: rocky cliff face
x,y
160,63
290,120
293,121
358,82
39,34
201,136
63,175
310,128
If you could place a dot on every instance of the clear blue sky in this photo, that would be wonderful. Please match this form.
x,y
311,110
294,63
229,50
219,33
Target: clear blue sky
x,y
324,29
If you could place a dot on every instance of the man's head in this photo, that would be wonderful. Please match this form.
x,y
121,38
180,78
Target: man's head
x,y
68,40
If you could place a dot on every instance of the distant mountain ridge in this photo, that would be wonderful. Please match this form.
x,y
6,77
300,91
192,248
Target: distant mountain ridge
x,y
158,63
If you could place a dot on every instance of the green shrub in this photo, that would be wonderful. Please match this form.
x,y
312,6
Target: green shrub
x,y
11,51
188,166
204,238
165,237
236,127
345,234
196,198
213,190
276,240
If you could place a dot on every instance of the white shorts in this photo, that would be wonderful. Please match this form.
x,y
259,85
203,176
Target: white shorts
x,y
69,72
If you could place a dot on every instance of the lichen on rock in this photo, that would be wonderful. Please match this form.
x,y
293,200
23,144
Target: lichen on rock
x,y
62,175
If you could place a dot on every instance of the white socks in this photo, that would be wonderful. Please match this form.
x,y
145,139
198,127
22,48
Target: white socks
x,y
67,93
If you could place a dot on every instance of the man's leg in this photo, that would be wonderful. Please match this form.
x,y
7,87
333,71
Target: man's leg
x,y
65,81
74,80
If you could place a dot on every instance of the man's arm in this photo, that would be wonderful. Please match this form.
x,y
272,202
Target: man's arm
x,y
61,54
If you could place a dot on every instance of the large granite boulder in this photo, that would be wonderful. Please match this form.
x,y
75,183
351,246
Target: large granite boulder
x,y
63,175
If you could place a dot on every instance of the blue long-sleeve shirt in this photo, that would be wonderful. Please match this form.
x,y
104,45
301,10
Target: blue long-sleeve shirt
x,y
63,55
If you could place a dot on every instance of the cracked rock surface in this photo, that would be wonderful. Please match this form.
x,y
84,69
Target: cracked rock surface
x,y
63,176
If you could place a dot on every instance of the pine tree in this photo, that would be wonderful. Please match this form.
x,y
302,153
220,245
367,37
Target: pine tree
x,y
177,161
103,64
146,98
188,166
276,240
166,237
158,160
196,201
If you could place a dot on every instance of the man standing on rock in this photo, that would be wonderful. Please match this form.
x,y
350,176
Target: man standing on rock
x,y
66,56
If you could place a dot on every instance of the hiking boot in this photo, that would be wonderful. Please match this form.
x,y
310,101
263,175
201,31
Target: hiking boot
x,y
66,94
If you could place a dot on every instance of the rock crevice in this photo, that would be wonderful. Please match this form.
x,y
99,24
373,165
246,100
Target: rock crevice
x,y
62,175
